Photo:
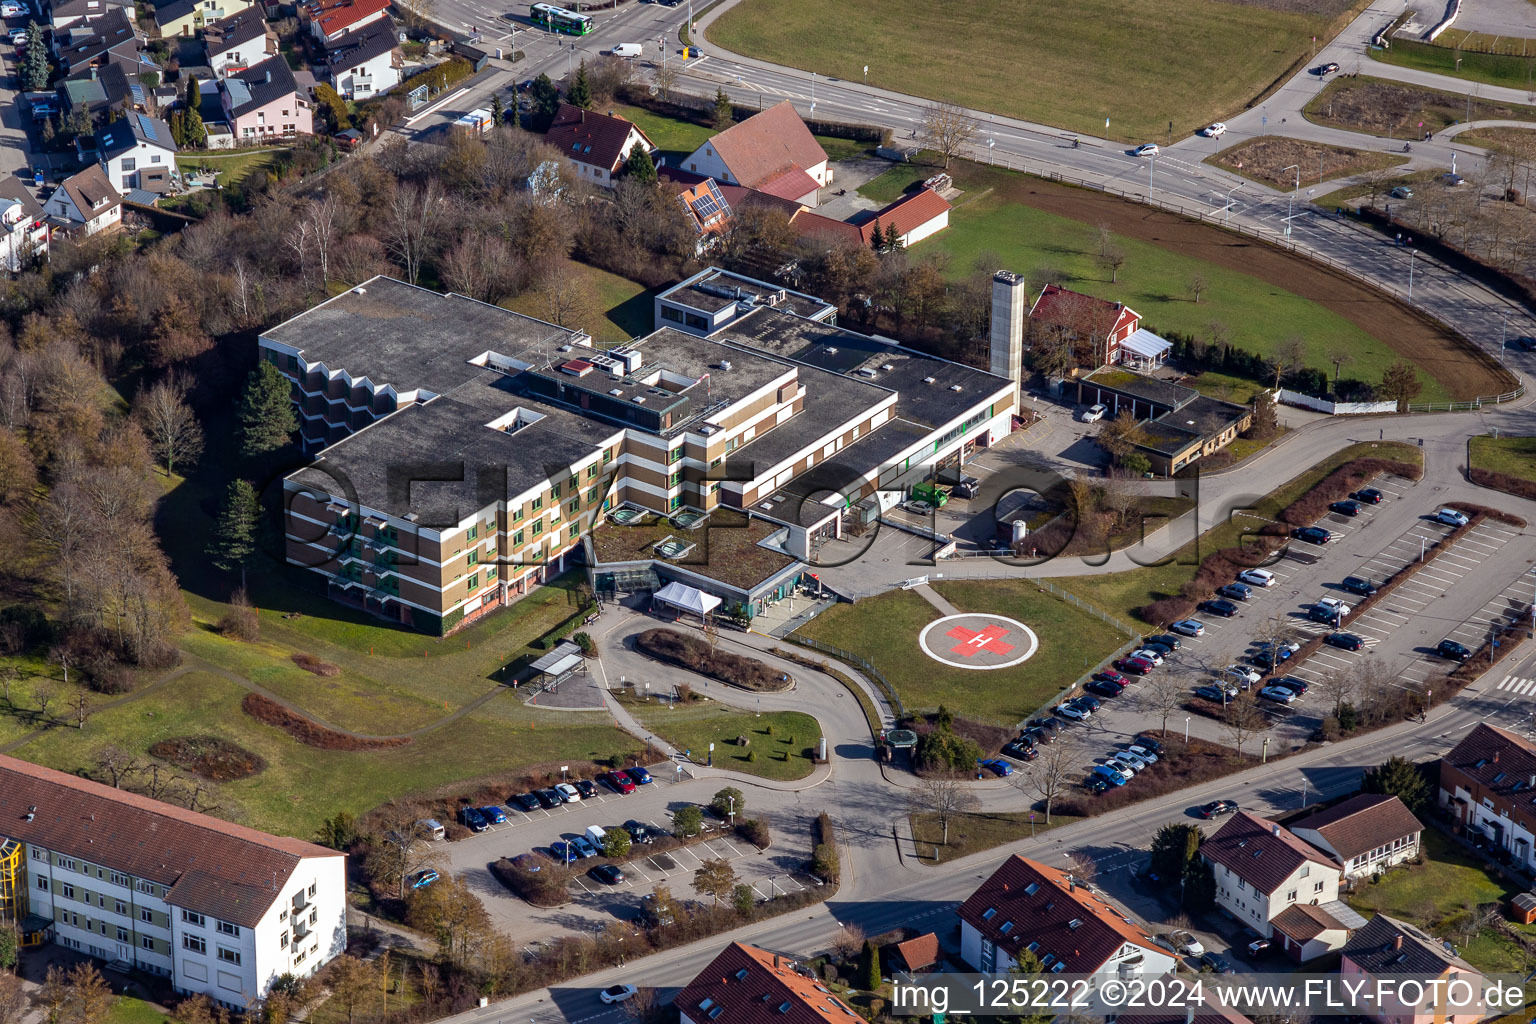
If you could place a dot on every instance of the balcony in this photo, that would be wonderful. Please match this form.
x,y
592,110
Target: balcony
x,y
300,901
301,930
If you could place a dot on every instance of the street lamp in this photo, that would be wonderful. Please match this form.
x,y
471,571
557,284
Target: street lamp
x,y
1186,730
733,810
1291,199
990,144
1410,292
1227,219
1265,758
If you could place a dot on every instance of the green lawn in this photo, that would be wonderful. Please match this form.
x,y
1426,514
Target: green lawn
x,y
1071,64
888,187
1515,456
1120,592
1438,893
1444,57
624,305
128,1010
972,832
1379,107
676,139
884,631
1154,279
287,797
231,168
783,742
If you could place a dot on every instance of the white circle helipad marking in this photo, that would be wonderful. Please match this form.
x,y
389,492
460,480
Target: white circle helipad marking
x,y
1022,639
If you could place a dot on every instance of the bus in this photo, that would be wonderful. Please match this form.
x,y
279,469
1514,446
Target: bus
x,y
558,19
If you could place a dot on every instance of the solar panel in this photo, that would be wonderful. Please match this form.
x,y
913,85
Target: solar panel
x,y
147,126
706,207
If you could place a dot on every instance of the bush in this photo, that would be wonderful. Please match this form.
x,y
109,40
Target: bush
x,y
241,621
265,709
687,821
756,832
693,653
584,641
616,843
547,887
310,663
727,800
824,857
941,749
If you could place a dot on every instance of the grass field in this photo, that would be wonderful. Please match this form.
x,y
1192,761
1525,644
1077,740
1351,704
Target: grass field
x,y
676,139
884,631
781,742
1519,141
1514,67
624,305
1120,592
1032,224
1515,456
231,168
973,832
128,1010
1266,159
1113,52
1379,107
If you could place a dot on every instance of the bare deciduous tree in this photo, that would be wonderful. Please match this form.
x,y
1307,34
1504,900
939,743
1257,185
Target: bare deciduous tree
x,y
848,941
1051,772
117,764
410,228
174,434
1112,259
1197,286
1242,721
943,795
947,128
1290,354
1162,695
80,704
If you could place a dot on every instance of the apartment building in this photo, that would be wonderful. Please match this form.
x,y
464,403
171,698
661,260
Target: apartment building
x,y
220,909
1261,870
1366,834
464,451
1488,786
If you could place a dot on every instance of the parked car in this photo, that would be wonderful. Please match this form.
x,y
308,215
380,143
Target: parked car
x,y
918,508
1154,745
1166,639
1266,660
586,788
639,776
569,793
1525,343
619,782
1147,654
583,847
1068,711
1451,517
1214,131
526,802
608,874
997,766
547,798
1257,577
1278,694
1134,666
1131,758
1225,609
1189,627
1051,726
423,878
1334,607
1258,947
1108,774
1161,650
1217,963
1104,688
1453,650
1401,192
472,819
1093,413
1291,683
1212,693
494,815
1122,766
1216,808
1087,703
1187,944
1344,641
1358,585
563,852
1146,753
1235,591
12,10
1317,613
617,993
1348,507
1146,149
639,832
1241,674
1095,783
1369,496
1021,750
1109,675
1312,534
1035,737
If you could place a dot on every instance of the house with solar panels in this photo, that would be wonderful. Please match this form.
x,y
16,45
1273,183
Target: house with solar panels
x,y
137,151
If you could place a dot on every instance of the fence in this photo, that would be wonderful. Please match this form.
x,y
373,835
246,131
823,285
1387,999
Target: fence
x,y
1332,408
873,674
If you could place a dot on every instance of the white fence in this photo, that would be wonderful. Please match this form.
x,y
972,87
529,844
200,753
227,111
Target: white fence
x,y
1452,10
1289,397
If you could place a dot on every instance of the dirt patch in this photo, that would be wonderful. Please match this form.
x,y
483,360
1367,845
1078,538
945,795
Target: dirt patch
x,y
210,757
1465,372
1389,108
1266,159
312,734
310,663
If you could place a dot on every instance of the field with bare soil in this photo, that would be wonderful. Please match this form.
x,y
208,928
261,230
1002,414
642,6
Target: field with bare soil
x,y
1266,158
1395,110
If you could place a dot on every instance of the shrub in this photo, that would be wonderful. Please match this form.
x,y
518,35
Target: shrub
x,y
241,621
942,750
727,800
756,832
310,663
751,756
547,887
616,843
584,641
210,757
687,820
693,653
824,857
265,709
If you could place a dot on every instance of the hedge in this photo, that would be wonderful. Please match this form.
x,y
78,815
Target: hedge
x,y
696,655
824,859
439,76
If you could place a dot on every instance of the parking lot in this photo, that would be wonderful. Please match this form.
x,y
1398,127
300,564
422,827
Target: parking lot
x,y
776,871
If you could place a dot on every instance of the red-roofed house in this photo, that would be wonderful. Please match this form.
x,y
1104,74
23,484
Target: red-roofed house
x,y
1367,833
1070,927
1096,322
915,216
919,954
598,144
771,151
1488,785
747,985
331,19
1262,869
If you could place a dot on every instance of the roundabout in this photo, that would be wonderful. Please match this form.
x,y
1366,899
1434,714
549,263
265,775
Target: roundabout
x,y
978,641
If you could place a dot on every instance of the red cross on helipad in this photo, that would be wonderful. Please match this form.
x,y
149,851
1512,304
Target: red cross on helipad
x,y
971,641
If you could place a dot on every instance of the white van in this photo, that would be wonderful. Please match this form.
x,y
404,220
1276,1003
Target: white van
x,y
596,833
625,50
431,829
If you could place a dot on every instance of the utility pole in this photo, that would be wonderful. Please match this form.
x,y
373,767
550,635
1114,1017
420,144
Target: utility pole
x,y
1291,199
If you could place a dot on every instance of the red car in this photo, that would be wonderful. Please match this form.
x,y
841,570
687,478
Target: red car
x,y
619,781
1110,676
1135,666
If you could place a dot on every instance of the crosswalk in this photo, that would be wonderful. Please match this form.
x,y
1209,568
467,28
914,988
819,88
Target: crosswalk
x,y
1517,685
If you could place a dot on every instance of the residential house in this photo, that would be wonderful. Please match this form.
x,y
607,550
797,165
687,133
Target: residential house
x,y
1261,869
23,228
238,41
915,216
187,17
1305,932
1179,425
598,144
771,151
1488,786
917,955
98,91
67,13
216,908
332,19
746,984
263,101
86,201
111,38
1386,948
365,61
137,151
712,216
1366,834
1026,905
1096,328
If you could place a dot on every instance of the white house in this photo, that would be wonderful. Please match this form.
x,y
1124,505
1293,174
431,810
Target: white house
x,y
771,151
86,201
137,151
221,909
1026,905
1366,833
1261,869
1487,785
365,61
598,144
23,228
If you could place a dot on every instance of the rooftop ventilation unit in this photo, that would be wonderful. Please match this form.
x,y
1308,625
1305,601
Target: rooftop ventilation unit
x,y
725,364
928,380
616,391
638,399
887,367
954,387
576,367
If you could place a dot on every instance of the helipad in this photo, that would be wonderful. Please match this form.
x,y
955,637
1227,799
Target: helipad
x,y
978,640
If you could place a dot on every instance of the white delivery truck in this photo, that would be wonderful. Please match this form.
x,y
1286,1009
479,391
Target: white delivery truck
x,y
625,50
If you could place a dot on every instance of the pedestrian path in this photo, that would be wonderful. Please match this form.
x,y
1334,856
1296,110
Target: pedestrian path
x,y
932,597
1517,685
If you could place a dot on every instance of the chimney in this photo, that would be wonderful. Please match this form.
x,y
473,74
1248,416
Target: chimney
x,y
1189,1013
1274,830
776,959
1009,309
1397,941
1071,884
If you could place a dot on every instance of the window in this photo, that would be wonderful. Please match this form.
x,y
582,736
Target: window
x,y
229,929
538,502
472,532
67,891
282,941
474,558
194,943
130,164
575,529
592,472
68,864
38,854
554,490
42,883
574,507
474,580
1318,887
517,516
119,907
517,539
573,483
314,914
313,888
675,455
118,878
146,942
538,528
1290,897
191,918
283,915
228,955
122,934
607,456
145,914
490,574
